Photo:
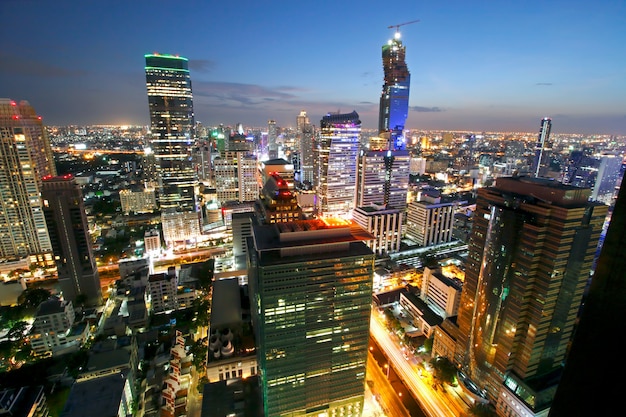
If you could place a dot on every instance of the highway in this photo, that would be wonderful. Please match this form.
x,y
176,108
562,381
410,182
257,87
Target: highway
x,y
433,402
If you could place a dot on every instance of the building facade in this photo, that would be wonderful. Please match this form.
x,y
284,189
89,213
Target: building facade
x,y
236,177
530,254
340,135
394,99
542,149
143,201
172,129
311,290
382,178
68,229
430,223
25,158
384,224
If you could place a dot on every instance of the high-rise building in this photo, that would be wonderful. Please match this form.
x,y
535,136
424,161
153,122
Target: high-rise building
x,y
272,135
278,202
172,129
64,211
306,132
236,177
530,255
385,224
25,157
542,149
311,290
607,179
599,331
394,99
340,136
430,222
382,178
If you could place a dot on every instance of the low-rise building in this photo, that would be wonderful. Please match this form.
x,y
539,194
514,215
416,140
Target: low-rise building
x,y
54,330
23,401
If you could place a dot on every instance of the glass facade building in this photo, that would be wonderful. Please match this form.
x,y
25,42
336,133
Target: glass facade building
x,y
394,100
339,142
311,294
172,127
542,149
382,179
530,255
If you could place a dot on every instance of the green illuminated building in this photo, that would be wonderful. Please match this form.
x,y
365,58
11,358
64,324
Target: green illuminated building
x,y
172,129
311,290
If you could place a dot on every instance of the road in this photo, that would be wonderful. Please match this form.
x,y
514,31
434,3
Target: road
x,y
433,402
384,394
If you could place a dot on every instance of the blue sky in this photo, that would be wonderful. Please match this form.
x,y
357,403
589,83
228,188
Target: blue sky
x,y
475,65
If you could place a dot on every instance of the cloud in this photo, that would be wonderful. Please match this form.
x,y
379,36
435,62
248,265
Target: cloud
x,y
543,84
17,65
237,94
421,109
201,65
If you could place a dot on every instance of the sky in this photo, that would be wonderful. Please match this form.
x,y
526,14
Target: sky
x,y
481,65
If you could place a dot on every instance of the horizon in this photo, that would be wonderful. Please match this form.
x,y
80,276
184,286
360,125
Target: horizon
x,y
474,67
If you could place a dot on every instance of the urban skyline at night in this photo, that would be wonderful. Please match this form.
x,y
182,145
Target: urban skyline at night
x,y
474,66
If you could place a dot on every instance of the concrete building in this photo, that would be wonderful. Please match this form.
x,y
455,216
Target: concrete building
x,y
162,289
143,201
180,227
23,402
54,330
430,222
385,224
441,293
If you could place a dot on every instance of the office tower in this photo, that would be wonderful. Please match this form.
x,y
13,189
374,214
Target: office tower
x,y
236,177
277,166
382,178
65,215
307,149
598,334
385,224
430,222
530,254
272,135
340,135
172,129
607,178
278,202
25,157
542,149
394,100
311,292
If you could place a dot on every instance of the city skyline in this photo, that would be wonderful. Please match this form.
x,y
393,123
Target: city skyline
x,y
475,66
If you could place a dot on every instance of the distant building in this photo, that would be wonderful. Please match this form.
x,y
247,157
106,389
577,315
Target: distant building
x,y
385,224
143,201
23,402
340,136
236,177
543,149
430,222
180,226
68,229
172,129
278,166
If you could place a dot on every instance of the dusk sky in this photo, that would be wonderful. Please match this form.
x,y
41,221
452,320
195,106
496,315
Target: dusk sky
x,y
475,65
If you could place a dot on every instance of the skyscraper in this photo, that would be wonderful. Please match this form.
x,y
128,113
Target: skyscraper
x,y
306,132
69,233
172,129
530,255
394,99
340,136
542,148
382,178
25,157
599,332
272,135
311,290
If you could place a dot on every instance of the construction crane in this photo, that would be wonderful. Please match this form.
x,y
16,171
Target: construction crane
x,y
401,24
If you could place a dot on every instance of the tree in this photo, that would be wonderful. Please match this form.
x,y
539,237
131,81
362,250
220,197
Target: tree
x,y
445,370
18,331
32,297
482,410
